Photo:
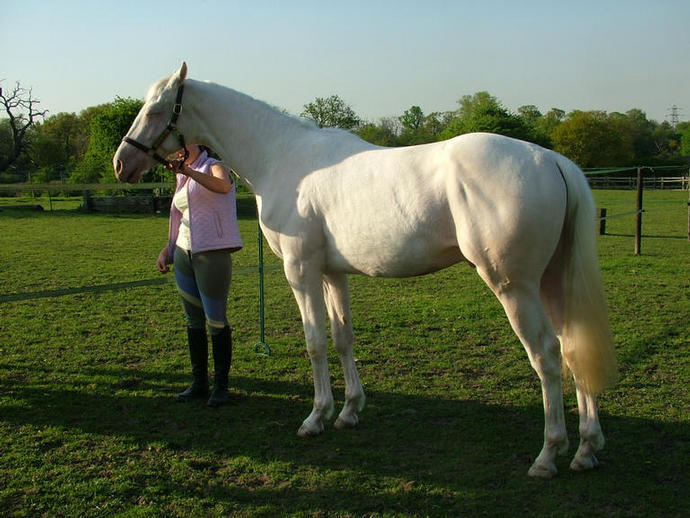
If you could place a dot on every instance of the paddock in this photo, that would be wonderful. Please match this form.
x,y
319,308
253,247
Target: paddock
x,y
89,425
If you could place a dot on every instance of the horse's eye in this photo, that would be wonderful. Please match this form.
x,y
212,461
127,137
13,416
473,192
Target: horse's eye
x,y
153,115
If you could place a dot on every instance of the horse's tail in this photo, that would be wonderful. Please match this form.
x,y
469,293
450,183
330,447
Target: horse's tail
x,y
586,341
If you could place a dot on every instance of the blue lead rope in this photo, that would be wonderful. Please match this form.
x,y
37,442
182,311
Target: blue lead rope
x,y
261,347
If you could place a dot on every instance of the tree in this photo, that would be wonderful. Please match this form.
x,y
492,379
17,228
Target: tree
x,y
545,125
591,139
483,112
667,143
17,172
385,133
107,128
418,128
638,130
541,125
684,130
21,108
331,112
58,144
530,114
412,119
434,125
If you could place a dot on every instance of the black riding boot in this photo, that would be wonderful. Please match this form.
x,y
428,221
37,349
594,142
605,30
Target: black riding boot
x,y
198,353
222,355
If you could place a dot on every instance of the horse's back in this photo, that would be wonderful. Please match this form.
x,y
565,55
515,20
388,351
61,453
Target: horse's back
x,y
409,211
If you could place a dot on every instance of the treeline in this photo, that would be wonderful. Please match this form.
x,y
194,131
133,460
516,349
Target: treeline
x,y
70,147
590,138
78,148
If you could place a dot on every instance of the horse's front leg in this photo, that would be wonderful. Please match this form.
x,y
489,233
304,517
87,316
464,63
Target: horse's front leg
x,y
306,283
338,303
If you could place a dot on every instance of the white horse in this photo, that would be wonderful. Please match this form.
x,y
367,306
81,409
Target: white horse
x,y
331,204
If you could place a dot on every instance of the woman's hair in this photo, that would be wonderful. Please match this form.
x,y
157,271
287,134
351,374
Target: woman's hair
x,y
209,151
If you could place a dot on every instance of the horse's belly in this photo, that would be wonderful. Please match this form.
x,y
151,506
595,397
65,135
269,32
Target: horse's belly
x,y
382,258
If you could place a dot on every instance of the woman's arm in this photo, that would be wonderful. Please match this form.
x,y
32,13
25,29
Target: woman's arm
x,y
218,181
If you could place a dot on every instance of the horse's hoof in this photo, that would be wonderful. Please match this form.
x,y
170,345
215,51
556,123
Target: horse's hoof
x,y
346,421
541,471
309,430
583,463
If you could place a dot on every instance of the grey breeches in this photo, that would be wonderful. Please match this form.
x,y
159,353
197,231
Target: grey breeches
x,y
203,282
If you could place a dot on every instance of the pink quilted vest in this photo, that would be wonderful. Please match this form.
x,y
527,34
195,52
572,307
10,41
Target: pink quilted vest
x,y
212,216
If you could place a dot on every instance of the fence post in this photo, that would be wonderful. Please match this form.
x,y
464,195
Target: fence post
x,y
602,222
638,230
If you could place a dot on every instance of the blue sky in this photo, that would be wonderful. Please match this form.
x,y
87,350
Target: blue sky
x,y
381,56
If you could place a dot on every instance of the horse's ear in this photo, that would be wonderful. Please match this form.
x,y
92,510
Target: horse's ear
x,y
183,71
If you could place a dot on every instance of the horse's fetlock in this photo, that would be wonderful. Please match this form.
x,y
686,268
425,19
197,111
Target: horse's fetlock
x,y
558,441
324,408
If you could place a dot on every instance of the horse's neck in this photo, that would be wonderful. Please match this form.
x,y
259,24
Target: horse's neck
x,y
259,142
246,133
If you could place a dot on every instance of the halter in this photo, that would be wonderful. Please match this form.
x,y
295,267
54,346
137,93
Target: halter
x,y
152,150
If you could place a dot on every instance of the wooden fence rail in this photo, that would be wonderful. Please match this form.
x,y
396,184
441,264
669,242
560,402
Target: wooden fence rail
x,y
79,187
630,182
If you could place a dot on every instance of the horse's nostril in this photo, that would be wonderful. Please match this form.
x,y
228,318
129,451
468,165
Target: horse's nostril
x,y
118,166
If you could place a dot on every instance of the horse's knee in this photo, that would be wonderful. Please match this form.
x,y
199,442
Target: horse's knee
x,y
316,345
546,359
343,339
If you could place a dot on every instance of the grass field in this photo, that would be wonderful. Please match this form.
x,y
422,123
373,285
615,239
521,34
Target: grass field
x,y
89,425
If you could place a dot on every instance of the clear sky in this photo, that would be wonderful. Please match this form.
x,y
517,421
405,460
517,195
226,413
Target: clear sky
x,y
380,56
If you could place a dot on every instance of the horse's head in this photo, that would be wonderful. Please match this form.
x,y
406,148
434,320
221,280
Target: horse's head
x,y
154,133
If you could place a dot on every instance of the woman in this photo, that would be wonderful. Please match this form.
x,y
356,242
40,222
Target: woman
x,y
203,232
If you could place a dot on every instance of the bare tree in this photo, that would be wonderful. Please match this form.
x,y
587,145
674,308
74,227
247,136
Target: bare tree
x,y
21,108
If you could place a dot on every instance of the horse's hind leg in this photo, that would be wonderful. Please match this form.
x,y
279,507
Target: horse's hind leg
x,y
591,437
337,296
528,318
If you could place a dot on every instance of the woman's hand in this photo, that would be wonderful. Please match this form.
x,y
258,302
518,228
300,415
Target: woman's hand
x,y
218,181
179,167
162,261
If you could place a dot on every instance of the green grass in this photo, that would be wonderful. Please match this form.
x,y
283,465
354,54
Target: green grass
x,y
89,425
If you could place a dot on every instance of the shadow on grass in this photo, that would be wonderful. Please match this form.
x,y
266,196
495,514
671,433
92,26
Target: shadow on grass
x,y
450,456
